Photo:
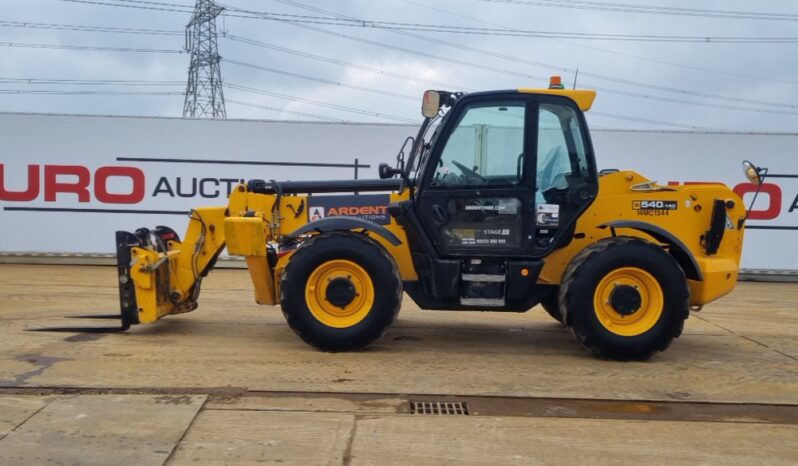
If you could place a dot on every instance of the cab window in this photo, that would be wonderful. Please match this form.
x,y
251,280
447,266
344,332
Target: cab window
x,y
561,151
485,148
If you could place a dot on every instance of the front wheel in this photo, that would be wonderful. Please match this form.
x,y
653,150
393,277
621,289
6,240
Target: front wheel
x,y
624,298
340,291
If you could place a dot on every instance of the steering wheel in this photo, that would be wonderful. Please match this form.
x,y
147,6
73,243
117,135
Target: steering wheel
x,y
467,171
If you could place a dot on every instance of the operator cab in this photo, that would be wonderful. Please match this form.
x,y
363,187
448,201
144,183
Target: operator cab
x,y
506,173
498,186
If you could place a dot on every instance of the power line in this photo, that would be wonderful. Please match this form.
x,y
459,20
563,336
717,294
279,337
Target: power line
x,y
139,5
89,82
575,44
322,80
649,121
4,80
52,92
437,58
166,32
339,62
92,92
245,89
607,115
439,28
483,67
319,103
282,110
406,77
145,2
653,9
83,28
517,59
87,47
343,63
612,52
103,29
453,86
404,96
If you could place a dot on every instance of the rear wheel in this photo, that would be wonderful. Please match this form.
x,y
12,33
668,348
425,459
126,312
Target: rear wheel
x,y
624,298
340,291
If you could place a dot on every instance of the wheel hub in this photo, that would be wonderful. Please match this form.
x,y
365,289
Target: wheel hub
x,y
625,300
340,292
628,301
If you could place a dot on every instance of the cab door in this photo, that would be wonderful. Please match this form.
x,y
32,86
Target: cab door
x,y
565,177
477,195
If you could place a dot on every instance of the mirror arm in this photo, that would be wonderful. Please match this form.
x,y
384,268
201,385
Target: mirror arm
x,y
763,173
400,157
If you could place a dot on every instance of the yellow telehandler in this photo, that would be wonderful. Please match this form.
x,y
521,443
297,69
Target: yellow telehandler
x,y
498,206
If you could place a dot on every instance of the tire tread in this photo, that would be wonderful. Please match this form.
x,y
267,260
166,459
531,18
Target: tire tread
x,y
572,274
287,279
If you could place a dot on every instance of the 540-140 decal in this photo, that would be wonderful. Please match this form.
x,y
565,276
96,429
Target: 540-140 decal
x,y
654,208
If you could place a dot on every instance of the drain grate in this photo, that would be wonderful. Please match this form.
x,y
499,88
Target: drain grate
x,y
441,408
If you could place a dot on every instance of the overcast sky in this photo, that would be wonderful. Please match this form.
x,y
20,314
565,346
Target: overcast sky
x,y
748,76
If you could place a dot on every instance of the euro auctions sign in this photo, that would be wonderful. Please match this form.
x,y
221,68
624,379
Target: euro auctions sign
x,y
48,181
111,185
67,183
120,186
775,201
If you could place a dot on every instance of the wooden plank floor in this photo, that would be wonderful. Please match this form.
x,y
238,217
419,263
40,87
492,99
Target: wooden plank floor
x,y
741,349
274,398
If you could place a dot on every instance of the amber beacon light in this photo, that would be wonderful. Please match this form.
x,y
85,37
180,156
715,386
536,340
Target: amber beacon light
x,y
555,82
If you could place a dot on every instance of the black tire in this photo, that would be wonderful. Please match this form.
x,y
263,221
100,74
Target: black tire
x,y
551,304
367,254
608,256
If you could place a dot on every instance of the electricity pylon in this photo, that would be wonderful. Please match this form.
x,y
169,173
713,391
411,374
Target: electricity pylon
x,y
204,95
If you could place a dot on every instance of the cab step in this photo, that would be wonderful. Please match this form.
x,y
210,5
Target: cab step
x,y
483,277
483,283
482,302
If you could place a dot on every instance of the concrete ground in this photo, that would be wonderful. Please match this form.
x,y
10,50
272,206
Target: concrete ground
x,y
231,384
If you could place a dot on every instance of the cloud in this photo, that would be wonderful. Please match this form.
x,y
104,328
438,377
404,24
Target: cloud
x,y
736,66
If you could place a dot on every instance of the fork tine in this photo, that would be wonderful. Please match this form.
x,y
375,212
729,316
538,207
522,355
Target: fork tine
x,y
95,316
123,327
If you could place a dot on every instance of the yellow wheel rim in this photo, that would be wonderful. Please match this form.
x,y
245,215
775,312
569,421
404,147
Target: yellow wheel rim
x,y
341,312
630,322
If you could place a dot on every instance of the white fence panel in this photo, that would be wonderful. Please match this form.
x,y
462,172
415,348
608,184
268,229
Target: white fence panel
x,y
69,182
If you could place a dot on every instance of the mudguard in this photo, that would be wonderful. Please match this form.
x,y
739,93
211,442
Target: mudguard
x,y
346,223
679,250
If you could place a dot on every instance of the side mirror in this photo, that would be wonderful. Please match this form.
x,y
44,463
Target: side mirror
x,y
386,171
431,104
752,172
755,175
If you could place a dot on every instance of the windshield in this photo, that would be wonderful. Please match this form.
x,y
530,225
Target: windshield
x,y
423,148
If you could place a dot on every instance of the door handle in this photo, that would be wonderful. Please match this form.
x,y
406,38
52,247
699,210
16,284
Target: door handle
x,y
439,214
